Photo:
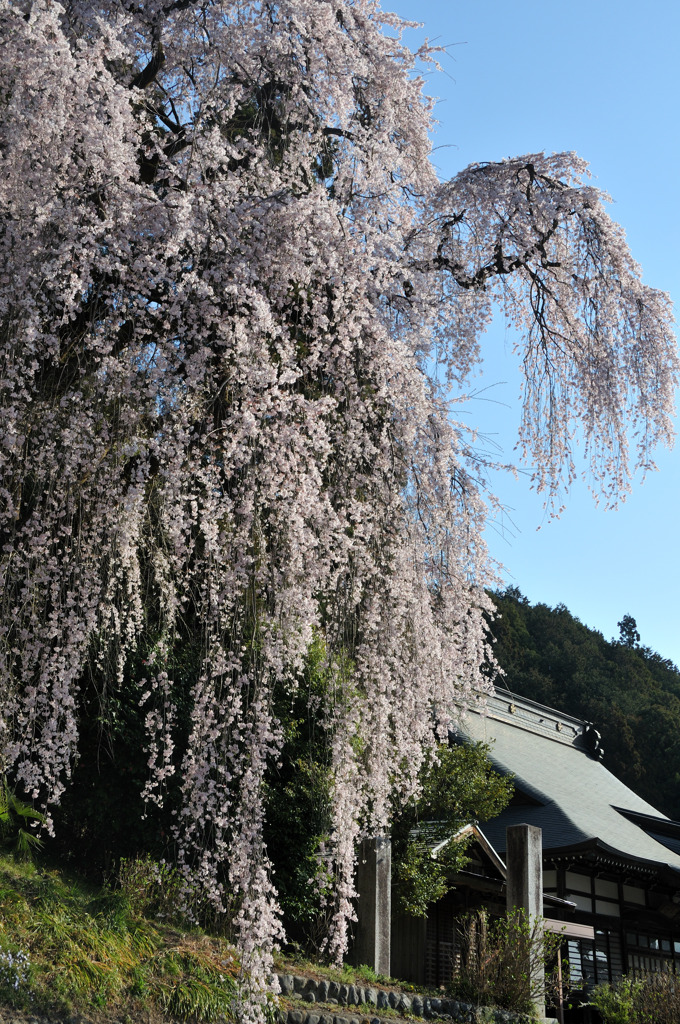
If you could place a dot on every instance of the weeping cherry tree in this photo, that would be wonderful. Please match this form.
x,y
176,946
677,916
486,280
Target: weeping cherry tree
x,y
237,308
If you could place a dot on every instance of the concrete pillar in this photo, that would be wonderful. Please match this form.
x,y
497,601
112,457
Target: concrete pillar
x,y
374,909
524,890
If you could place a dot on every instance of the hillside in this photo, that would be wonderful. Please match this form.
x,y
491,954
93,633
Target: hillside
x,y
74,953
630,693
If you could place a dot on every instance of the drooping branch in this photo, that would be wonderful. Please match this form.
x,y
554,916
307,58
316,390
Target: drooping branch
x,y
543,245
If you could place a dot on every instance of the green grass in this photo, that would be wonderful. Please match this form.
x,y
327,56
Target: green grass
x,y
65,947
68,948
296,962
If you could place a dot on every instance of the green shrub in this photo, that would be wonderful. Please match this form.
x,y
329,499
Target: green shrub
x,y
615,1003
16,818
648,999
504,962
152,888
458,786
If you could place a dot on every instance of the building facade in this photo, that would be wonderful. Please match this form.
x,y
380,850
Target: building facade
x,y
611,861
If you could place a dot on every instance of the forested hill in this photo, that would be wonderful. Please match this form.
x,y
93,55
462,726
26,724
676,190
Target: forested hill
x,y
630,693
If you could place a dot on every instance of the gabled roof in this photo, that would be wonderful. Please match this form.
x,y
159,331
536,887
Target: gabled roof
x,y
570,795
432,835
475,832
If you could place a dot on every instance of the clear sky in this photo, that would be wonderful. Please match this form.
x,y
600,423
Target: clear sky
x,y
601,78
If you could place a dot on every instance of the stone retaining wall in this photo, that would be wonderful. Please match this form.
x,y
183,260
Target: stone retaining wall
x,y
334,993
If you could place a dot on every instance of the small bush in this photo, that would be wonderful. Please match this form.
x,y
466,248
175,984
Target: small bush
x,y
504,962
648,999
18,824
151,888
658,998
615,1003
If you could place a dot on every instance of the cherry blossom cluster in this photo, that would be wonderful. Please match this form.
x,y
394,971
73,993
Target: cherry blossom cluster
x,y
237,310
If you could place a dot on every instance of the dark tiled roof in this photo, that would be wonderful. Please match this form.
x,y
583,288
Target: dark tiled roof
x,y
578,800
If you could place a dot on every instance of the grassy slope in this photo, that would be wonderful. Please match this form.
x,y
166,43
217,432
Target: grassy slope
x,y
69,949
66,948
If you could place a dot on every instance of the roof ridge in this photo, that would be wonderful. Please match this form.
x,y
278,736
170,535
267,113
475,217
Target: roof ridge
x,y
534,717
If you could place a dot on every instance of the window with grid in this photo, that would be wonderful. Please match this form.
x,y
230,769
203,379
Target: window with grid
x,y
648,952
594,961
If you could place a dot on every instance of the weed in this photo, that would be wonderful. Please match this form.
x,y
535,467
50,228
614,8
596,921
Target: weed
x,y
193,985
367,974
152,888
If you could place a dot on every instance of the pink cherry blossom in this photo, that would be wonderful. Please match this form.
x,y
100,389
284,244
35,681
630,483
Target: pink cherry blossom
x,y
238,309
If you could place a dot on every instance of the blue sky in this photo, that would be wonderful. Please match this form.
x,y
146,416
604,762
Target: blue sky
x,y
600,78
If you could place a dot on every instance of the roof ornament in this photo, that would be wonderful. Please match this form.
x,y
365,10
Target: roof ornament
x,y
592,741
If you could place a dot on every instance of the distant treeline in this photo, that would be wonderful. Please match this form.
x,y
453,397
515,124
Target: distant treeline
x,y
629,692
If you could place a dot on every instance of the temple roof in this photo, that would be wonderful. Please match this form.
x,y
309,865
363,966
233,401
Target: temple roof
x,y
562,786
